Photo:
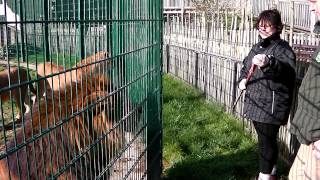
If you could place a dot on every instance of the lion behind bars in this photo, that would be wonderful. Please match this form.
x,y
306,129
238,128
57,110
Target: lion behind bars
x,y
92,65
59,131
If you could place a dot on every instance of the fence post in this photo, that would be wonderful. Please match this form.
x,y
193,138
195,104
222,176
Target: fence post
x,y
46,31
234,89
22,33
205,63
207,33
167,58
80,30
291,22
182,11
196,70
2,32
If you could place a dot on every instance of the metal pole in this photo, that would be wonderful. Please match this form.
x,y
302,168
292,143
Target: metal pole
x,y
46,30
80,30
251,71
234,90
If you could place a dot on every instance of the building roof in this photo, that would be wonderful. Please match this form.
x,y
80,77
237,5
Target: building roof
x,y
6,14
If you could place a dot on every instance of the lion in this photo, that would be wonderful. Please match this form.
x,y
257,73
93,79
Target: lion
x,y
90,65
55,82
17,77
95,64
76,119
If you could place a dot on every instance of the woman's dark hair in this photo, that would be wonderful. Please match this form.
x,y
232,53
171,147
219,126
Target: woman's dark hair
x,y
270,16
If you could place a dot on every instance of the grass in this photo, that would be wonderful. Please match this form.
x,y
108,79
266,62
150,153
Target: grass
x,y
201,141
60,59
64,60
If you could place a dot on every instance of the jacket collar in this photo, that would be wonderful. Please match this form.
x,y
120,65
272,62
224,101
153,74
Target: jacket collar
x,y
269,40
316,28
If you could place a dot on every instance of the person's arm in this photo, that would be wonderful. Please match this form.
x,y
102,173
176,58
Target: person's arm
x,y
281,63
316,149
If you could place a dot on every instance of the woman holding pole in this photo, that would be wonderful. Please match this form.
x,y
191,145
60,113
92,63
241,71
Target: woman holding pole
x,y
269,91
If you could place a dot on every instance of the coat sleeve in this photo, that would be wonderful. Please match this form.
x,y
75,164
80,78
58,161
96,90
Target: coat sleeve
x,y
281,63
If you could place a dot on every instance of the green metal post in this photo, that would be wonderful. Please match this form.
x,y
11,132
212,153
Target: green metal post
x,y
80,30
117,40
22,47
154,102
46,31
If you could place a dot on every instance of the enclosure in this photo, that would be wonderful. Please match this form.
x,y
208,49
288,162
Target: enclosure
x,y
80,89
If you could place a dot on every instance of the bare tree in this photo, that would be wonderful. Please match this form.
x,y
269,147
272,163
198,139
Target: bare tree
x,y
212,6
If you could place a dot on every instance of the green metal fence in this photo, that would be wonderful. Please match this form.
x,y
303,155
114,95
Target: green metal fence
x,y
80,86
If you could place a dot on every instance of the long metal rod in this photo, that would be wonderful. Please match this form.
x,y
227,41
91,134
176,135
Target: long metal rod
x,y
251,71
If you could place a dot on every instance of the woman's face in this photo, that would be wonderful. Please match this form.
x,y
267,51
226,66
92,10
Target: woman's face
x,y
266,29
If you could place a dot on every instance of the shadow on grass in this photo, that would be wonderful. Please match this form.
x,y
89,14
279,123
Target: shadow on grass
x,y
242,165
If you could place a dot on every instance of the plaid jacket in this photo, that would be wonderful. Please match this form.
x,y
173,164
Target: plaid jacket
x,y
306,122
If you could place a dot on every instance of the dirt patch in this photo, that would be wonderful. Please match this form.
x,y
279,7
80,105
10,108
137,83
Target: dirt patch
x,y
132,162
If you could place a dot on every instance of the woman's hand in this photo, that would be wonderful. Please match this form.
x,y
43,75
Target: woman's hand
x,y
260,60
242,84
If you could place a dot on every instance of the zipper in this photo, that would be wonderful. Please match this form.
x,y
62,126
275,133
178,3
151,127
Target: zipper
x,y
272,107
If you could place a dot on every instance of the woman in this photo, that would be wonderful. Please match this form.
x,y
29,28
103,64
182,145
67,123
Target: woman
x,y
270,89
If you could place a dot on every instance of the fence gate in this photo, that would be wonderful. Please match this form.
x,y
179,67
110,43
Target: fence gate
x,y
80,86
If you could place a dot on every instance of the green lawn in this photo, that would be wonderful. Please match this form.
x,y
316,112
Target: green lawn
x,y
60,59
201,142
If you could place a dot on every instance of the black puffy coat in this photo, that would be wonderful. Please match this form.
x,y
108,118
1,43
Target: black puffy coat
x,y
269,92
